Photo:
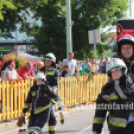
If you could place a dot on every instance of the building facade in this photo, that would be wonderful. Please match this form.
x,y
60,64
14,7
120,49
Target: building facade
x,y
8,45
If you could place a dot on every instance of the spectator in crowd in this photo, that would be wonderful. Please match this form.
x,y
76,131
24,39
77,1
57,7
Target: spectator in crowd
x,y
3,69
66,71
9,73
71,62
84,64
34,68
77,73
79,68
59,67
95,66
26,72
40,67
88,71
100,65
104,65
80,62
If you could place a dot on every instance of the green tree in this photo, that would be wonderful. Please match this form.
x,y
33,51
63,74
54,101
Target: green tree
x,y
86,15
50,36
90,15
11,14
5,4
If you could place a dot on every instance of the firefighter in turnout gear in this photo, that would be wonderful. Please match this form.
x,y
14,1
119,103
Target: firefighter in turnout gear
x,y
113,96
125,49
52,77
40,95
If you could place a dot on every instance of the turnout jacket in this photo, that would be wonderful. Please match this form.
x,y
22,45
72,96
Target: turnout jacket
x,y
40,98
130,67
52,77
112,99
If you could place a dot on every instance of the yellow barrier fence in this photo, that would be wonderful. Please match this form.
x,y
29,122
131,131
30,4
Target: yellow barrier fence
x,y
73,91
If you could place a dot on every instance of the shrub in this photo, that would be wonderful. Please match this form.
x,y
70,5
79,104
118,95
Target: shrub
x,y
19,61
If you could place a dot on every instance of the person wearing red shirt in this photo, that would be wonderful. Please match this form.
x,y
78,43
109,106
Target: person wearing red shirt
x,y
26,72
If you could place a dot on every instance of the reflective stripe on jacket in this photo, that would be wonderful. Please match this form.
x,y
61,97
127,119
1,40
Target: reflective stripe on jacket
x,y
41,97
114,93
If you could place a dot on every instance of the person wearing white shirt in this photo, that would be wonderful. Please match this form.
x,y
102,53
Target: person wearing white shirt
x,y
71,62
10,74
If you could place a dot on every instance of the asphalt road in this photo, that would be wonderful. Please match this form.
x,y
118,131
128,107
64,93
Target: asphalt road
x,y
76,122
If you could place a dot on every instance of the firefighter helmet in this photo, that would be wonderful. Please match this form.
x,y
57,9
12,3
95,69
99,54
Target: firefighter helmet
x,y
126,39
40,76
51,57
114,64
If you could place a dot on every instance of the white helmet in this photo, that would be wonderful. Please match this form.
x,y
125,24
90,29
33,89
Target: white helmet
x,y
40,76
115,63
50,56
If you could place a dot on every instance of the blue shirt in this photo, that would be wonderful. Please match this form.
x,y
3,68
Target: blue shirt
x,y
104,67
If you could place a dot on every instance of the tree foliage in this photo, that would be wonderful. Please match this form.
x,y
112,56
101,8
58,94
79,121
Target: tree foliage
x,y
90,15
50,36
86,15
10,15
4,4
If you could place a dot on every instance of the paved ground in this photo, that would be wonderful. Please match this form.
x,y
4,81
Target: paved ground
x,y
77,121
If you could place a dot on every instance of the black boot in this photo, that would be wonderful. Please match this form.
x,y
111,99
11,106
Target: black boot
x,y
52,133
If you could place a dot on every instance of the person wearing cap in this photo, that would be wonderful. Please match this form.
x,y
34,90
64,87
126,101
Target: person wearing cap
x,y
39,97
125,49
88,71
113,96
52,77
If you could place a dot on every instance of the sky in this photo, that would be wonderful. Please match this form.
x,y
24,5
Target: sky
x,y
132,7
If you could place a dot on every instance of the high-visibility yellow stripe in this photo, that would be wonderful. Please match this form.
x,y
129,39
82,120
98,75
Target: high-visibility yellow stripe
x,y
30,107
33,94
97,121
54,89
42,109
112,98
54,101
117,124
50,73
26,105
31,130
45,95
118,121
52,129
